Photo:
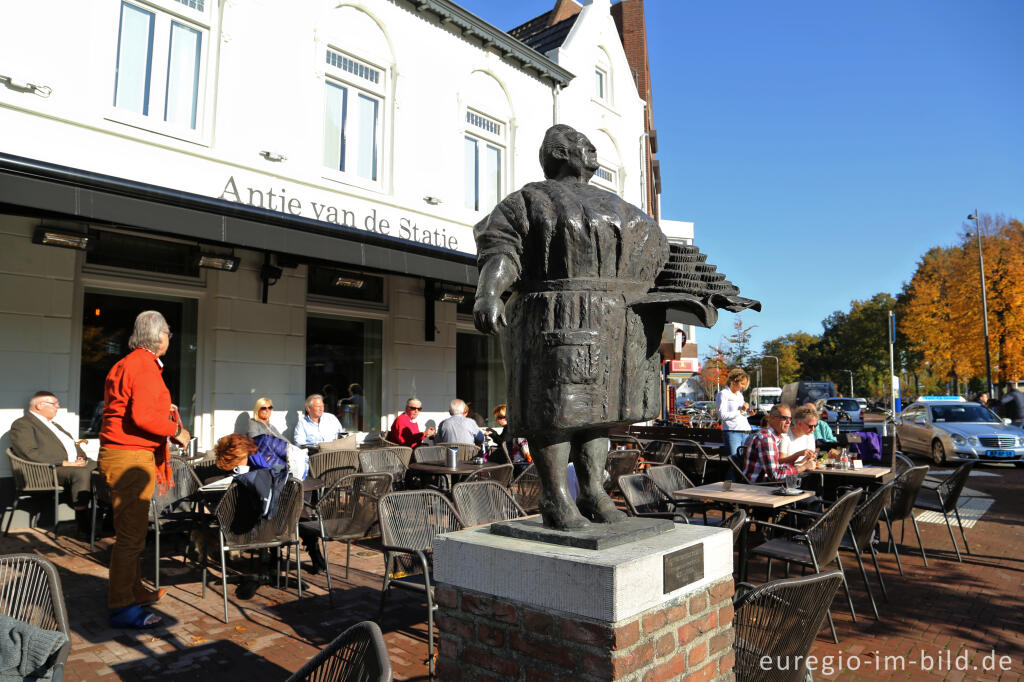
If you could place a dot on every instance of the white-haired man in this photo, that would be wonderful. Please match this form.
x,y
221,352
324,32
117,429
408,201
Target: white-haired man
x,y
317,426
458,428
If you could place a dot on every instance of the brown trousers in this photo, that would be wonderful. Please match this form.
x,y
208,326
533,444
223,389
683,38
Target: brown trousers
x,y
131,477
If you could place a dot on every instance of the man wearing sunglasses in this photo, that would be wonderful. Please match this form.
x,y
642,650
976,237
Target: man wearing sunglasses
x,y
405,431
764,459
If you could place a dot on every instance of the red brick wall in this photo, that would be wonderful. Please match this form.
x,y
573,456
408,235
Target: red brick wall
x,y
484,638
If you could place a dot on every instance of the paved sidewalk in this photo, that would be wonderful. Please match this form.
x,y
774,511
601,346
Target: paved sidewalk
x,y
975,607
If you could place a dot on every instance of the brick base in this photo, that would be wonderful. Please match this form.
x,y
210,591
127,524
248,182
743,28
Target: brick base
x,y
484,638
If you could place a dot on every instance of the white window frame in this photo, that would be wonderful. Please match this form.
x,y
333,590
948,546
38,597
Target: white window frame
x,y
485,137
601,84
354,86
165,15
612,185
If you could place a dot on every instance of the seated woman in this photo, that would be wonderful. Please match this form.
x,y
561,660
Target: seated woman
x,y
259,423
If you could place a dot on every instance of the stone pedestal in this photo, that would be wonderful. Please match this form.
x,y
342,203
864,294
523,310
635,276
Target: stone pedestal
x,y
654,609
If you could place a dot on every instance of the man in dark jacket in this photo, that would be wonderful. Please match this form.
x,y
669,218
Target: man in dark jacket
x,y
1013,404
38,438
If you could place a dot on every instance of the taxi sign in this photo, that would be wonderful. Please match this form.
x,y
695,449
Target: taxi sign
x,y
942,399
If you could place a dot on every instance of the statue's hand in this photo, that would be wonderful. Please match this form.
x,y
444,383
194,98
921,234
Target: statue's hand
x,y
489,314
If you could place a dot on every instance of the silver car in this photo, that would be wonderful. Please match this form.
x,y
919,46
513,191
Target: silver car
x,y
841,408
956,429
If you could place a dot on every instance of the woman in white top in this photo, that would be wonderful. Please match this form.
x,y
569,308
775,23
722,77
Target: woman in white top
x,y
732,411
800,437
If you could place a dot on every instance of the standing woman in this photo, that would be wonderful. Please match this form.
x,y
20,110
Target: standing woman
x,y
138,420
732,411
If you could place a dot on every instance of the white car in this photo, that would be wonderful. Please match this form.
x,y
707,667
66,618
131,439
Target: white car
x,y
863,402
836,407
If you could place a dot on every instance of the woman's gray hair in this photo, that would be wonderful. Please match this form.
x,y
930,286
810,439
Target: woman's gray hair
x,y
149,325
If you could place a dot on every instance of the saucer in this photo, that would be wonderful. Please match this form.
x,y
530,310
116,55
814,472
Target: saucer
x,y
788,493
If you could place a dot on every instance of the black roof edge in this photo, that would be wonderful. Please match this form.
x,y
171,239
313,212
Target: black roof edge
x,y
507,45
139,190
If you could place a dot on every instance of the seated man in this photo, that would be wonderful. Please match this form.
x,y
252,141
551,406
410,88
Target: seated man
x,y
458,428
37,438
764,460
822,432
405,431
799,440
317,426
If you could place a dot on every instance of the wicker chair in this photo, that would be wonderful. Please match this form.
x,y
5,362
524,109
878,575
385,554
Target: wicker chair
x,y
467,451
526,489
33,478
644,498
671,478
944,497
206,468
817,546
176,511
394,461
356,655
30,592
735,522
430,454
346,512
620,463
100,498
499,473
480,502
409,522
332,459
780,620
659,452
693,460
905,489
281,531
858,537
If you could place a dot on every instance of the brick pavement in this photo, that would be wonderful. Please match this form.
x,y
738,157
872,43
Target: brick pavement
x,y
976,606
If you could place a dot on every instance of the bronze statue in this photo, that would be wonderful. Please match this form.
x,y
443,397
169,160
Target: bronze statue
x,y
581,331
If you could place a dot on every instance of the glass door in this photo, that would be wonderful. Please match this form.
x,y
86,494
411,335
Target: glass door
x,y
343,364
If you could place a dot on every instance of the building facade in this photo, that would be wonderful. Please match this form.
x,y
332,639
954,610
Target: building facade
x,y
333,157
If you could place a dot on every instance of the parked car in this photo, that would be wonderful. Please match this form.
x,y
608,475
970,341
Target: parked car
x,y
949,427
764,397
863,402
835,408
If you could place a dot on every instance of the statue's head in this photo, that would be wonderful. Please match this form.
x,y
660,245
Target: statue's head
x,y
566,152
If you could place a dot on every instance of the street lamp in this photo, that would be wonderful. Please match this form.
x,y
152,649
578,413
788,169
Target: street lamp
x,y
984,299
851,380
777,378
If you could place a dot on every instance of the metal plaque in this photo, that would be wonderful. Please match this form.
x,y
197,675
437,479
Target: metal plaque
x,y
683,567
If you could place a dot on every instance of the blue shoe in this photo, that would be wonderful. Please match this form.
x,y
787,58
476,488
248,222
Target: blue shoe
x,y
134,617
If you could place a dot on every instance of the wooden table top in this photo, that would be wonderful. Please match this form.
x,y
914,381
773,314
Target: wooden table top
x,y
865,472
743,495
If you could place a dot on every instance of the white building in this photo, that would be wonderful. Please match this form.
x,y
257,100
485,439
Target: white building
x,y
340,152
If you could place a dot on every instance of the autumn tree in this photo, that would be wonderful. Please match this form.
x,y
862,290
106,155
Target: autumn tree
x,y
787,349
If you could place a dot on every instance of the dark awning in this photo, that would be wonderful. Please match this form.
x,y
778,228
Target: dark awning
x,y
86,196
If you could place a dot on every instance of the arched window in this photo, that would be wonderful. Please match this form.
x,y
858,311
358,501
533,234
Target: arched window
x,y
485,142
602,77
609,171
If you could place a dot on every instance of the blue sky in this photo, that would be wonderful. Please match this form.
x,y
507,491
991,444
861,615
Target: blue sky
x,y
821,148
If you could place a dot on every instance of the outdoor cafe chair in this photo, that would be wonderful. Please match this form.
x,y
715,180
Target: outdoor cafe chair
x,y
905,489
467,451
499,473
206,468
430,454
670,478
322,461
645,499
394,461
409,522
177,510
358,654
815,547
526,489
346,512
480,502
658,452
778,622
32,479
858,537
943,497
31,593
620,463
280,531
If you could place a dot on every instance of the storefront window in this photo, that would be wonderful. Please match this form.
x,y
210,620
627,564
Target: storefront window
x,y
343,363
107,321
479,373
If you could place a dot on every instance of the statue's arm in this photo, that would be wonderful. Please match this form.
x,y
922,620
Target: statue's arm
x,y
497,275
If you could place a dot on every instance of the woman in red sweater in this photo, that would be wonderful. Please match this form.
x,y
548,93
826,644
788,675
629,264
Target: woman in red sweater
x,y
138,420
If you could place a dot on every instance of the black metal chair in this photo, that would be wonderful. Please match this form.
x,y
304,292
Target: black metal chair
x,y
620,463
480,502
659,452
944,497
670,478
779,621
356,655
526,489
32,479
346,512
815,547
206,468
467,451
905,489
858,537
499,473
30,592
430,454
280,531
394,461
645,499
332,459
409,522
176,511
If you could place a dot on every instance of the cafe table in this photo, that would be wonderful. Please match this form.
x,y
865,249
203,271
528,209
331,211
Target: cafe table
x,y
452,474
743,495
867,477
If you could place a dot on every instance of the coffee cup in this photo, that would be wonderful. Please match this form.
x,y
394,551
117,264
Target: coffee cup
x,y
241,469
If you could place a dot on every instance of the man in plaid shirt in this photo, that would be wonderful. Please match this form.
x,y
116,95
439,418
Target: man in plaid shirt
x,y
764,461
